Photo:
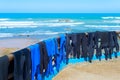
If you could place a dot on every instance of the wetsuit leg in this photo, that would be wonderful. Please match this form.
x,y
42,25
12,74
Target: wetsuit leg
x,y
35,58
4,63
22,65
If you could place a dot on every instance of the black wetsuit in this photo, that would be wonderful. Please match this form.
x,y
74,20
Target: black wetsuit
x,y
69,46
22,65
84,47
91,45
4,63
44,58
116,45
104,36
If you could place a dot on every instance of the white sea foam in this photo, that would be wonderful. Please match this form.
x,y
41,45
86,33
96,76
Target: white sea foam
x,y
17,24
60,24
103,26
4,19
58,21
29,33
112,21
41,33
111,17
33,24
6,35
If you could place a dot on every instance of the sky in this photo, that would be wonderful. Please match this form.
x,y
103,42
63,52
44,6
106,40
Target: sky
x,y
59,6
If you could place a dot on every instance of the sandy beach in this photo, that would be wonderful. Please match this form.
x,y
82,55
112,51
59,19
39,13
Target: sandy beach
x,y
104,70
8,46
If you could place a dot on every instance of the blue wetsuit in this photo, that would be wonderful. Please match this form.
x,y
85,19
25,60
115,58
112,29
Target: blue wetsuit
x,y
51,51
35,58
62,48
57,55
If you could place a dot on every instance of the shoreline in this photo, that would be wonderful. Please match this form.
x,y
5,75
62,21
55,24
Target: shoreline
x,y
8,46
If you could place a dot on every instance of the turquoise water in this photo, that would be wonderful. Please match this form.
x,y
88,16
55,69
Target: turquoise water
x,y
44,25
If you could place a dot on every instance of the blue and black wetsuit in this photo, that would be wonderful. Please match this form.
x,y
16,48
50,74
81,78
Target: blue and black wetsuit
x,y
35,58
62,48
57,54
50,46
44,58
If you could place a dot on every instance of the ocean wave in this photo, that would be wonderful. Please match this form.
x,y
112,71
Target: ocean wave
x,y
61,24
112,21
111,17
4,19
33,24
2,35
103,26
6,35
59,20
41,33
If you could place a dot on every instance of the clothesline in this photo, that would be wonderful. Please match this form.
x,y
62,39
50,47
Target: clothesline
x,y
11,56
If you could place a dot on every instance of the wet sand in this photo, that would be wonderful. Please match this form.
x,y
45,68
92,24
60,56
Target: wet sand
x,y
98,70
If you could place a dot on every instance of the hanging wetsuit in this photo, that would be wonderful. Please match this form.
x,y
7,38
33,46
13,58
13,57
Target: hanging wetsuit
x,y
44,58
57,54
62,48
22,65
69,46
75,37
116,45
50,46
79,44
104,36
97,45
111,44
35,58
84,46
4,63
91,45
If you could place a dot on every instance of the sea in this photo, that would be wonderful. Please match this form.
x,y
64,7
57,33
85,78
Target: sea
x,y
46,25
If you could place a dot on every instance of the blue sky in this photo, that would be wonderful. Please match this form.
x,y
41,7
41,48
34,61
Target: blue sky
x,y
60,6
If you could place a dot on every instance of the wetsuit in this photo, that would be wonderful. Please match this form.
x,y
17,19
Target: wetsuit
x,y
104,36
44,58
22,65
116,45
97,45
4,63
57,54
91,45
50,46
84,47
69,46
35,58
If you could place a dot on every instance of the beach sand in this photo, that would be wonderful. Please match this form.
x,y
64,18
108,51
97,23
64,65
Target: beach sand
x,y
98,70
8,46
